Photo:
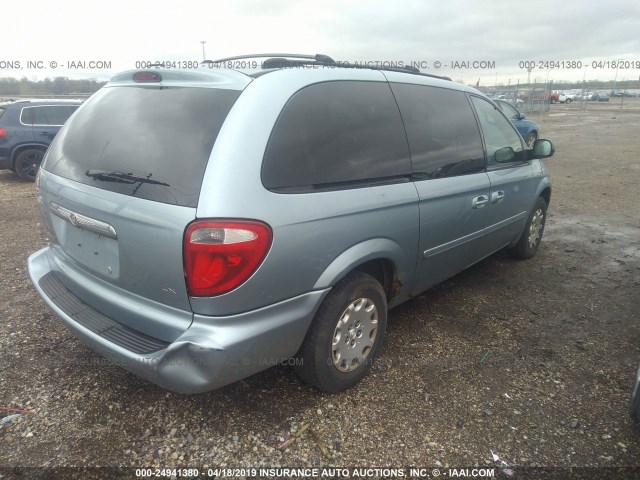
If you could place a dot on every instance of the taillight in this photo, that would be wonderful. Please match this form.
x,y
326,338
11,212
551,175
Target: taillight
x,y
3,133
221,255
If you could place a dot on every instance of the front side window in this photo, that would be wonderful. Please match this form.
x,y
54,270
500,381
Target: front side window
x,y
337,135
509,111
502,142
442,130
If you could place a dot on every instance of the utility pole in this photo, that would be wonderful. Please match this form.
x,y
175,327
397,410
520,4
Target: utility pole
x,y
204,56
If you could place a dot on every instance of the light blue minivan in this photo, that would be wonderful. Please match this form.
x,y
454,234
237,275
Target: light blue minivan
x,y
205,225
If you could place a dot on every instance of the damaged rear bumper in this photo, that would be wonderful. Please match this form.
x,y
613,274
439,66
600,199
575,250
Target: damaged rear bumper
x,y
211,353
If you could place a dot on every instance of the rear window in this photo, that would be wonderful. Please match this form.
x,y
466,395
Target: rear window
x,y
147,142
47,114
2,109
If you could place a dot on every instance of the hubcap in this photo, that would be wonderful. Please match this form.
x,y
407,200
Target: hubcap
x,y
354,335
535,229
30,165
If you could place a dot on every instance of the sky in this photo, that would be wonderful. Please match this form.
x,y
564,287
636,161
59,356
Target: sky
x,y
487,42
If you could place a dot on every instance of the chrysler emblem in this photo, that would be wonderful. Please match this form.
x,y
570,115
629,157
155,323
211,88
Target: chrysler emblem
x,y
73,218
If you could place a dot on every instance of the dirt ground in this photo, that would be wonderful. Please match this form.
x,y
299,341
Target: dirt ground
x,y
531,360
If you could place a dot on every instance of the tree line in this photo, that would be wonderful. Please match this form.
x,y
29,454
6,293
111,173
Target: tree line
x,y
56,86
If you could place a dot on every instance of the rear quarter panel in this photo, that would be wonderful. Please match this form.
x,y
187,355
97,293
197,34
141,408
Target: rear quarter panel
x,y
316,236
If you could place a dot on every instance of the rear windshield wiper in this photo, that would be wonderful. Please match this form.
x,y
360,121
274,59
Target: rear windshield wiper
x,y
121,177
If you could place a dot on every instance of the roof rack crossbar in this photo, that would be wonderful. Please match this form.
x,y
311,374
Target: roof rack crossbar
x,y
284,60
317,57
284,63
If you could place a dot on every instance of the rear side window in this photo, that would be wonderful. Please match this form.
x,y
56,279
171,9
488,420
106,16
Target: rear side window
x,y
147,142
47,114
27,116
337,135
2,111
443,133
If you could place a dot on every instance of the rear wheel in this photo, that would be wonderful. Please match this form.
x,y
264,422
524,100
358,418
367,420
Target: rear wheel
x,y
530,239
346,334
27,163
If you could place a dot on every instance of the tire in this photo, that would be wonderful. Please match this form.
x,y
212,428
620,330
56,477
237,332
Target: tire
x,y
531,139
568,100
531,236
27,163
634,402
345,336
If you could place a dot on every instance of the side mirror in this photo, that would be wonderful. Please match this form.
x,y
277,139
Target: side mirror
x,y
521,116
543,149
505,155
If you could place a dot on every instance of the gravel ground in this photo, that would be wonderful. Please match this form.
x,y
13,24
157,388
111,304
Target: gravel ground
x,y
532,360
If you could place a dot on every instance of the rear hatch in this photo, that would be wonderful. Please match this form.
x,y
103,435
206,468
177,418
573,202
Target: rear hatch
x,y
121,182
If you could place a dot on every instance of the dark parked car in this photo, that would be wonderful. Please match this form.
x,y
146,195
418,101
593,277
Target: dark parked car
x,y
527,128
600,97
26,130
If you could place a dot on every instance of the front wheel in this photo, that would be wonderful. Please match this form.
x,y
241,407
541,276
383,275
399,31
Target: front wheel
x,y
634,402
530,239
27,163
568,100
346,334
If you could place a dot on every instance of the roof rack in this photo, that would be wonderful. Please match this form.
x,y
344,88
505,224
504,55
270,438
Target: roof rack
x,y
317,57
288,60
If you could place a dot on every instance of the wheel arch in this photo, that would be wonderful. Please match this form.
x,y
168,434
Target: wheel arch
x,y
381,258
544,191
546,194
25,146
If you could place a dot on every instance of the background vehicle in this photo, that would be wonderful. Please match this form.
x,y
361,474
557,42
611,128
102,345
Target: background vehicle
x,y
207,225
600,97
566,97
536,96
508,96
527,128
27,127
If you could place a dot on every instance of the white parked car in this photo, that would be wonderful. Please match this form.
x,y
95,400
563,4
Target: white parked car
x,y
566,97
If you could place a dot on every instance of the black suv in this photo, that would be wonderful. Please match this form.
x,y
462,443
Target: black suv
x,y
26,130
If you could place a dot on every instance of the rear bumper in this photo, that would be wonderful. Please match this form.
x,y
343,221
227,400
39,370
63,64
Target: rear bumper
x,y
211,353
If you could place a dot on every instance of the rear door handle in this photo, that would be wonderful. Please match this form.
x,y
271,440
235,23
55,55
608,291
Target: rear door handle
x,y
497,196
480,201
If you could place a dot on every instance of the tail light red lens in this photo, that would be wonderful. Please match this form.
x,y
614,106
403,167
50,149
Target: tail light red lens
x,y
221,255
3,133
147,77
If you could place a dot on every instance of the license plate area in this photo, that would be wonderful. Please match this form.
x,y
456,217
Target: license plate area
x,y
90,249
